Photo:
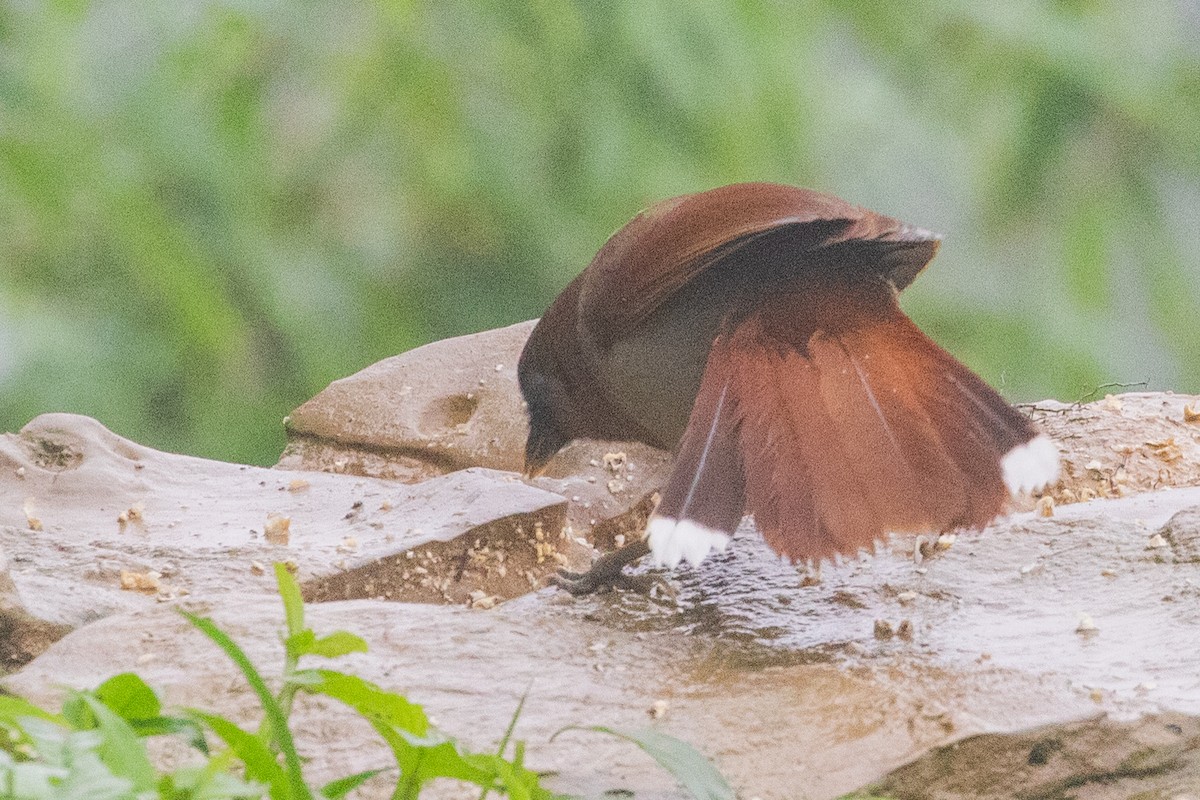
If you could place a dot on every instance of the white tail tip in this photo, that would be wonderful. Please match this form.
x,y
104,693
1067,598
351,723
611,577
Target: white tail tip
x,y
673,540
1030,466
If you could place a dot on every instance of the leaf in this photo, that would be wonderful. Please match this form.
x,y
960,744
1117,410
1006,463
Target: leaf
x,y
293,602
259,760
186,728
129,696
689,766
275,716
120,748
13,708
372,702
335,790
338,643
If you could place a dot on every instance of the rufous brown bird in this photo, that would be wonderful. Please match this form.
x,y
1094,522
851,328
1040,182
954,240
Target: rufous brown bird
x,y
754,329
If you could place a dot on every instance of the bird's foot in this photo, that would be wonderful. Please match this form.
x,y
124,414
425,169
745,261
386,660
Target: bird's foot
x,y
608,573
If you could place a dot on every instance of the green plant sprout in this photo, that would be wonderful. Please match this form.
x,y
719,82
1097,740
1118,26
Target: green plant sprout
x,y
95,747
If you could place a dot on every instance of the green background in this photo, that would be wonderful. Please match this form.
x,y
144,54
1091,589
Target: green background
x,y
209,210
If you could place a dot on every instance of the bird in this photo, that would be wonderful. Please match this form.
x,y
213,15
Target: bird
x,y
754,330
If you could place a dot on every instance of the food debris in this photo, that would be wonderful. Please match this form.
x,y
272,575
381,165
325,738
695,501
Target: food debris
x,y
615,486
1086,625
349,544
298,485
482,600
1156,541
1108,572
1166,449
906,597
614,461
20,472
905,630
1045,506
31,519
256,568
133,514
278,529
1094,465
1190,414
140,581
658,710
883,629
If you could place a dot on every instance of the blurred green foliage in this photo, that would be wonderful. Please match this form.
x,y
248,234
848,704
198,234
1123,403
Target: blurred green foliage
x,y
209,210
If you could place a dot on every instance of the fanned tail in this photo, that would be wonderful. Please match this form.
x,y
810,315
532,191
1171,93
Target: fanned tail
x,y
838,421
704,499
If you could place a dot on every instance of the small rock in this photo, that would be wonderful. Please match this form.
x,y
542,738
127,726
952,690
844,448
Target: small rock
x,y
1045,506
277,530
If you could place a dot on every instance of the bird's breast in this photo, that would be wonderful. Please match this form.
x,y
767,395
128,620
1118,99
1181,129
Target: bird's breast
x,y
654,372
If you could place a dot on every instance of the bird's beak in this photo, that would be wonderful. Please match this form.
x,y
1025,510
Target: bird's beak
x,y
540,449
537,468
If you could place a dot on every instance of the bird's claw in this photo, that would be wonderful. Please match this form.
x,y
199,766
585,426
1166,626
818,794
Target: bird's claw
x,y
592,582
608,573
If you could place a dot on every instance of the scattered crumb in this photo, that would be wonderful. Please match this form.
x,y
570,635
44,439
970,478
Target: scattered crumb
x,y
614,461
658,710
1094,466
145,658
348,545
132,514
615,486
1045,506
1086,624
31,519
140,581
1156,541
277,530
385,506
1108,572
883,629
482,600
1190,414
20,472
905,630
298,485
906,598
256,568
1166,449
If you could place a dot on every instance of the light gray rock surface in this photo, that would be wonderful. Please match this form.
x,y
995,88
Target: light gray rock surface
x,y
455,404
1053,654
93,524
784,681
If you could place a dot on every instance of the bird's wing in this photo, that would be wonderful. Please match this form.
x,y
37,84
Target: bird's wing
x,y
849,423
672,243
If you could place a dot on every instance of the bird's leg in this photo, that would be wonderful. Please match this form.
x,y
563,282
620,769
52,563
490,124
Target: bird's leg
x,y
608,573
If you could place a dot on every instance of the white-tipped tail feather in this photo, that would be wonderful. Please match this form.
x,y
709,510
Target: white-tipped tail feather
x,y
1030,466
673,540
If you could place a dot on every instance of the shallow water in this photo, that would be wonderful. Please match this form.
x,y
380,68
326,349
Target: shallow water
x,y
1010,598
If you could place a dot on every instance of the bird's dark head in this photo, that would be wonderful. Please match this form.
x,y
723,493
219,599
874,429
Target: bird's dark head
x,y
547,403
